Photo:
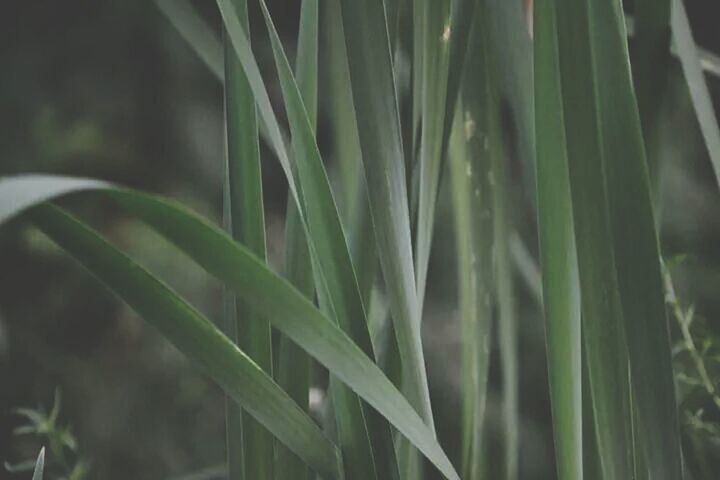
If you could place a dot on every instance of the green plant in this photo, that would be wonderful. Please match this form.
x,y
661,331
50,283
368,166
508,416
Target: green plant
x,y
64,459
586,142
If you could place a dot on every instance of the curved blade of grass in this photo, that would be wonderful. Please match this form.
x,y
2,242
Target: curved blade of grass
x,y
344,299
692,68
602,320
39,466
560,287
244,203
286,308
195,336
293,363
377,116
349,178
363,435
637,255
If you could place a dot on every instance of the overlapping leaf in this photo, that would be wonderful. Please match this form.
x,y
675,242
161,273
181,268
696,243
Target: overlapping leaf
x,y
286,308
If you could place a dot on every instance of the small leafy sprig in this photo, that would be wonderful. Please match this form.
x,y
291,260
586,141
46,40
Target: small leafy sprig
x,y
63,455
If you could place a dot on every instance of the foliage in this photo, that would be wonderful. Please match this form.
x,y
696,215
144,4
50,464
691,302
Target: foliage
x,y
547,128
64,461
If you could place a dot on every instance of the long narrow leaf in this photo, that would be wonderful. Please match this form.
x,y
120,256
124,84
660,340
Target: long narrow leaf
x,y
602,320
650,66
365,438
469,165
293,364
286,308
636,251
692,68
435,51
195,336
335,280
560,287
376,108
244,204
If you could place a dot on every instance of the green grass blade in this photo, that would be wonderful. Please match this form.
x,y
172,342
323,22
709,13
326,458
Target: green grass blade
x,y
195,336
602,321
286,308
435,51
377,114
650,67
592,470
692,68
365,438
294,367
462,14
499,152
346,145
334,278
293,363
442,61
350,181
39,466
469,164
507,320
560,292
306,62
513,66
244,204
196,31
527,268
637,255
618,258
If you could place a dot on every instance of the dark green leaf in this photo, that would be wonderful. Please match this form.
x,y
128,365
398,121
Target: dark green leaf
x,y
286,308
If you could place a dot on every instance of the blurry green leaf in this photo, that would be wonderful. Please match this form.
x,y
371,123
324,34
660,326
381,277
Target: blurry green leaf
x,y
293,363
622,310
376,109
636,250
469,162
558,258
435,51
699,94
250,447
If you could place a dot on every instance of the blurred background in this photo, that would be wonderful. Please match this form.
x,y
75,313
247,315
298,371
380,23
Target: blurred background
x,y
110,90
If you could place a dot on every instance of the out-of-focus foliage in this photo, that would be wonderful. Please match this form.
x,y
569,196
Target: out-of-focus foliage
x,y
64,460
